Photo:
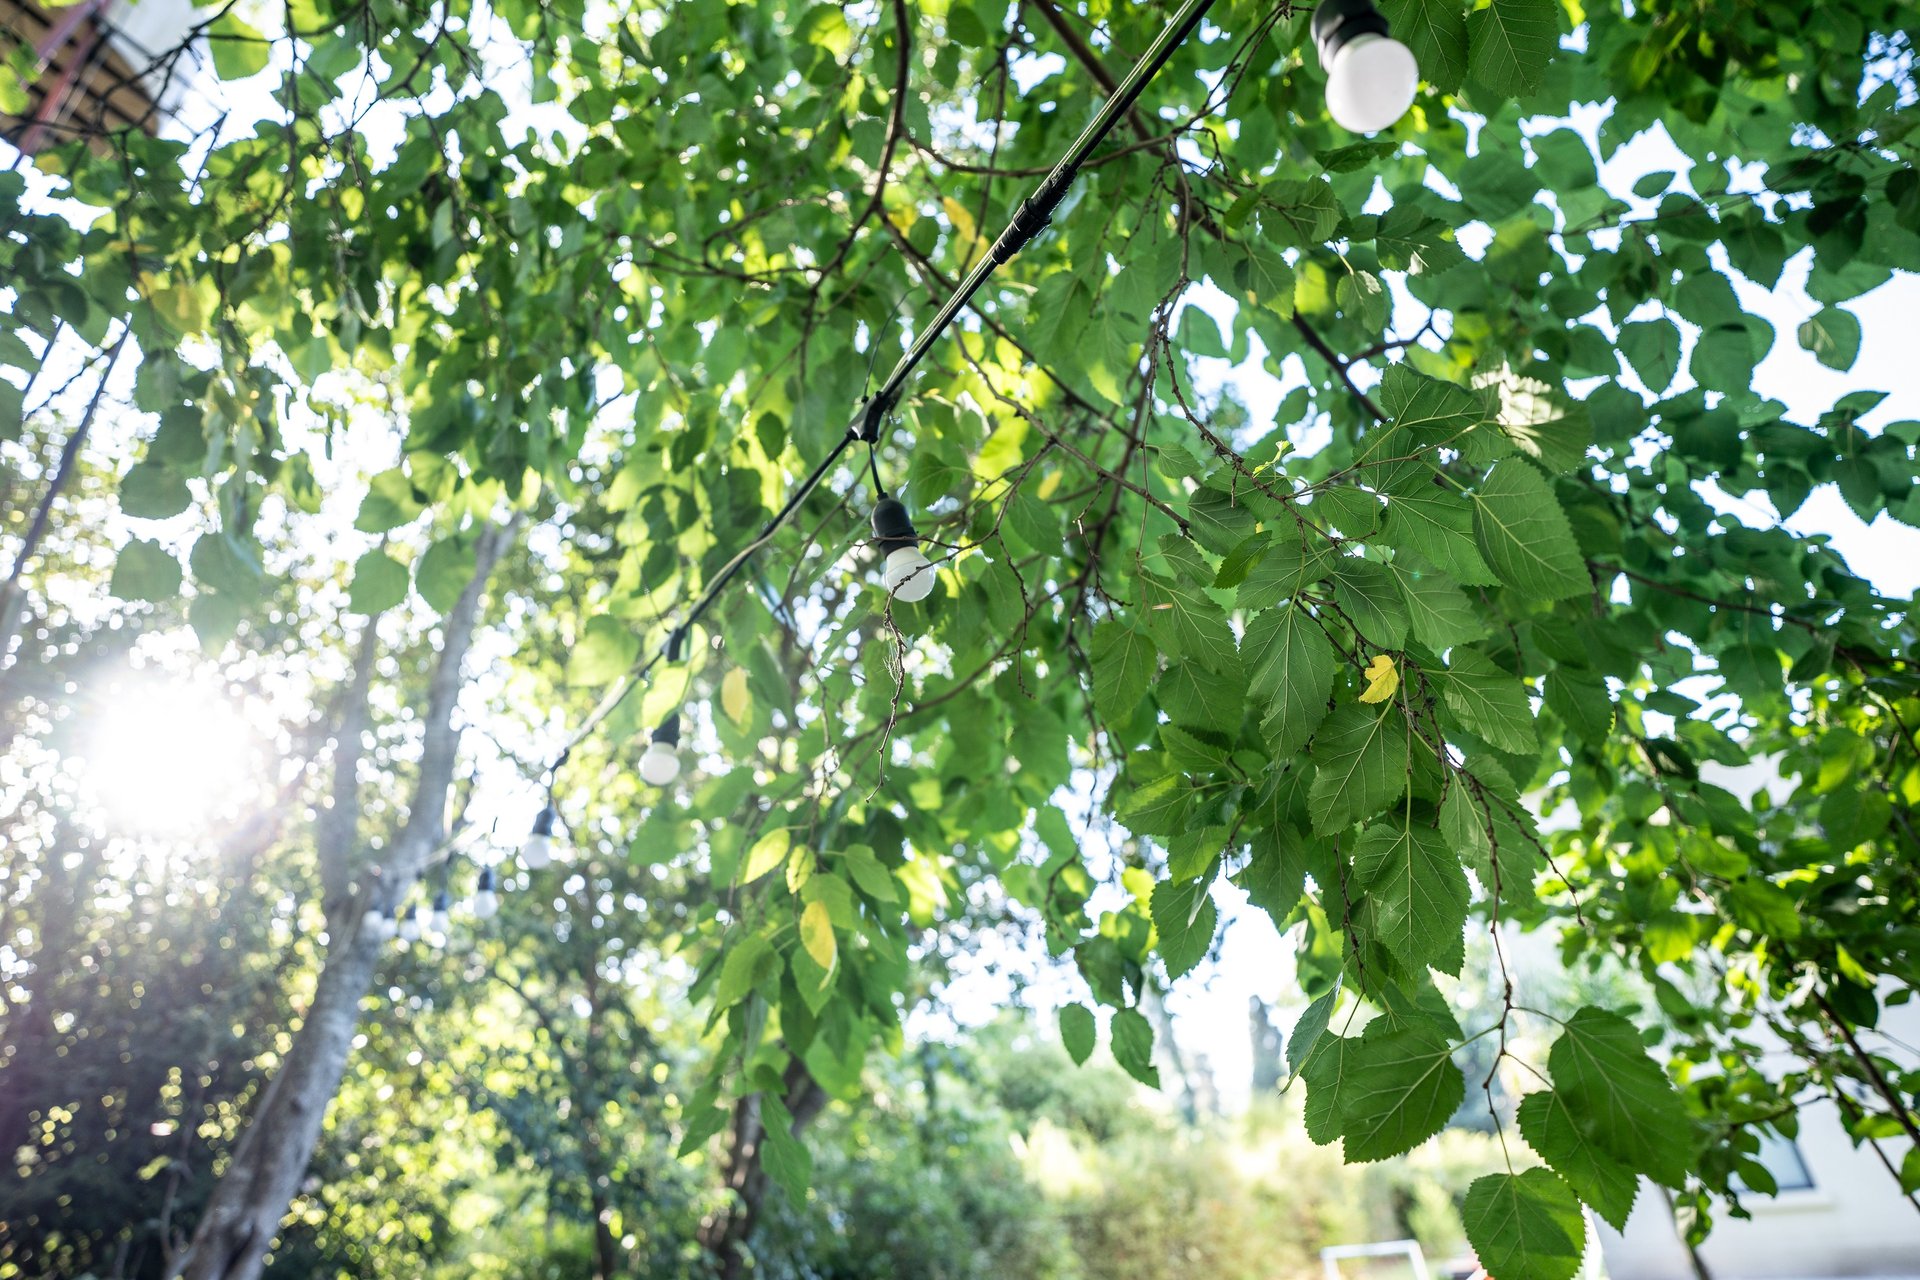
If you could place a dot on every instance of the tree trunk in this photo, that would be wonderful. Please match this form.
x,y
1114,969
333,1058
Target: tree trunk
x,y
725,1236
13,592
244,1213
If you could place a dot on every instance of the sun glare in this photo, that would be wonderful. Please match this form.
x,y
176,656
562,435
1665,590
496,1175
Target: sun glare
x,y
170,759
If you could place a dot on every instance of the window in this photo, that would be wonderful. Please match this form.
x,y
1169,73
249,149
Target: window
x,y
1781,1157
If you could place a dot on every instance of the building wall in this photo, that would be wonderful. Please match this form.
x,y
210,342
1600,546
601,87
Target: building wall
x,y
1852,1222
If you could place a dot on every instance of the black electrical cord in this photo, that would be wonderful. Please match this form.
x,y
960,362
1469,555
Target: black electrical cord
x,y
1029,220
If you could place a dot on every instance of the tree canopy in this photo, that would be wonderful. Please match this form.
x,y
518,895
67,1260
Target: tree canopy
x,y
602,283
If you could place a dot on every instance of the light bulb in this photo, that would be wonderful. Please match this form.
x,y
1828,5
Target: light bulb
x,y
659,763
377,924
409,925
486,902
1371,81
441,920
908,575
536,851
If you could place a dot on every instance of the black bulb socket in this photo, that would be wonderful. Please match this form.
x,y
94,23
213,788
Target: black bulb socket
x,y
669,731
543,821
1336,23
892,526
441,902
486,880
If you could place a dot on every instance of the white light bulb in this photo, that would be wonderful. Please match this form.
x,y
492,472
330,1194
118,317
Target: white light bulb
x,y
536,851
1371,83
410,927
486,904
659,763
374,924
438,924
908,575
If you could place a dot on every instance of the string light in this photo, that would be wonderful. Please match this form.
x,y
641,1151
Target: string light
x,y
908,573
660,762
536,851
409,925
378,923
1371,77
486,900
1371,81
441,921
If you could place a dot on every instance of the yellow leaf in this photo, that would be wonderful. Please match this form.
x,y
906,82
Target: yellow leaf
x,y
816,935
1382,679
733,696
799,868
768,852
963,224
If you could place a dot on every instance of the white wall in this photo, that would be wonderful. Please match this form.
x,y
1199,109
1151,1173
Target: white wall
x,y
1854,1222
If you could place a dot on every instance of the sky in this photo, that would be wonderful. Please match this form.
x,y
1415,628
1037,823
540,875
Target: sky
x,y
1210,1007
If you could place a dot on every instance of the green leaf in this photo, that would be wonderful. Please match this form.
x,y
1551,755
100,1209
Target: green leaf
x,y
1362,766
1511,43
702,1123
1276,872
1124,661
1291,664
1551,1128
221,561
870,874
13,95
1439,613
152,492
1289,566
1369,596
1410,241
1417,889
1435,524
747,962
239,50
1652,347
1078,1032
1436,31
1189,624
379,583
1400,1089
1489,701
1524,534
443,572
1157,808
1184,917
1524,1226
145,570
1132,1038
1833,335
605,651
1581,700
1306,1033
787,1160
1328,1060
1627,1105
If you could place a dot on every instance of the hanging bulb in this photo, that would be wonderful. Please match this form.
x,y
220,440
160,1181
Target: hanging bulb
x,y
409,925
377,924
536,851
908,574
660,762
1371,77
441,920
486,902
